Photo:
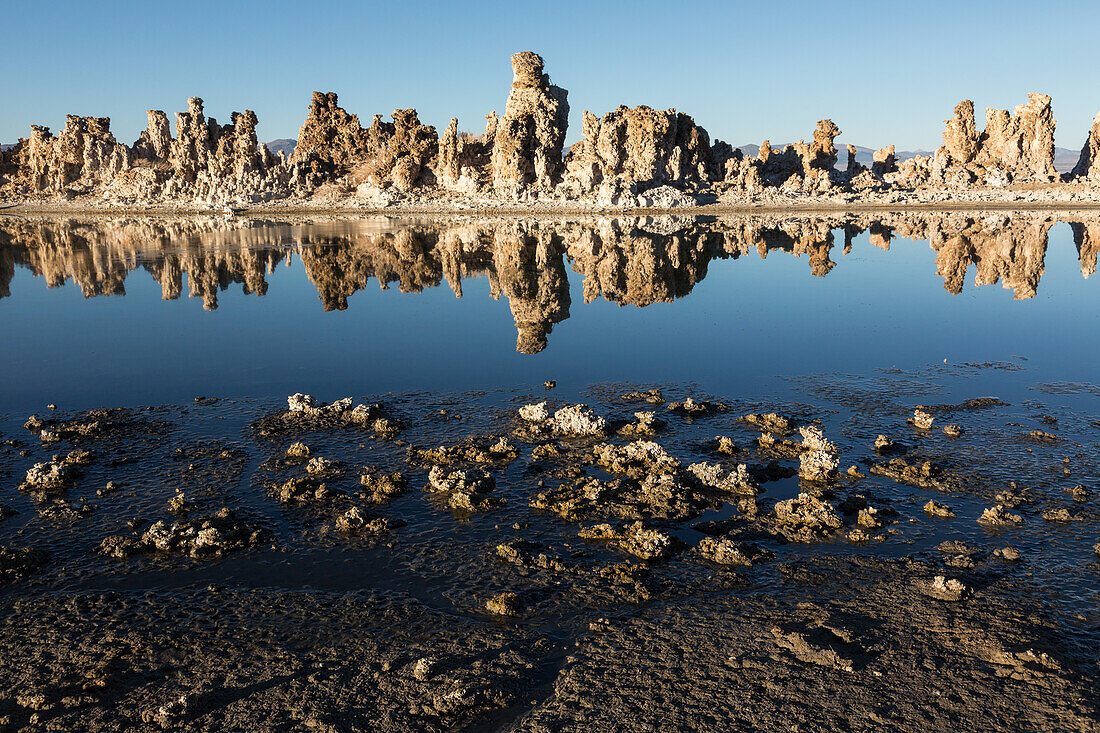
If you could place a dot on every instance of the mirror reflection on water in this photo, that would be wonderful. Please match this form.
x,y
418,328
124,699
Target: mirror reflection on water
x,y
346,304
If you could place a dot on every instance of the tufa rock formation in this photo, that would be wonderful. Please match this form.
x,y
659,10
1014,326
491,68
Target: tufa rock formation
x,y
1013,146
637,149
630,157
1088,165
528,139
84,156
330,139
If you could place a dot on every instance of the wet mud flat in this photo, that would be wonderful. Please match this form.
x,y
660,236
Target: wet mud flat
x,y
856,554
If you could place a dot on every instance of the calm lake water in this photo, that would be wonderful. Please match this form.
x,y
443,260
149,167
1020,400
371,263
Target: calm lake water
x,y
848,320
127,311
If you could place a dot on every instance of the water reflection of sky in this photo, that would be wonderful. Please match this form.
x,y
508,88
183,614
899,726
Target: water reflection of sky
x,y
748,321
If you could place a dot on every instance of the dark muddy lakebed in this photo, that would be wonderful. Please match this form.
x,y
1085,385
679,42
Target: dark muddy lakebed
x,y
827,475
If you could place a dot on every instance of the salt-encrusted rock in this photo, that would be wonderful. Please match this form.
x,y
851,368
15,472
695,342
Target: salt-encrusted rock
x,y
921,420
84,155
642,147
725,551
818,460
884,444
359,521
398,153
647,544
307,406
211,535
1088,165
462,161
822,153
505,604
960,135
943,588
999,516
535,412
465,490
330,140
883,162
578,420
736,481
936,509
1018,145
48,475
155,143
528,140
807,516
638,457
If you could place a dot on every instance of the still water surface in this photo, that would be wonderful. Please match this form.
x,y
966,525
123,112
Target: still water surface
x,y
96,311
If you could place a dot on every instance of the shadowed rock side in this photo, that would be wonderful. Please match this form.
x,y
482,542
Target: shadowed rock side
x,y
630,157
625,260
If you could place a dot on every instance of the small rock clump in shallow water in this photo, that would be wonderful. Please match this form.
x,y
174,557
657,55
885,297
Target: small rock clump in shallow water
x,y
505,604
884,444
771,423
358,521
212,535
298,450
651,396
697,408
380,488
638,458
647,544
465,490
48,476
724,551
806,518
725,445
736,481
818,460
921,419
498,450
646,423
577,421
943,588
936,509
999,516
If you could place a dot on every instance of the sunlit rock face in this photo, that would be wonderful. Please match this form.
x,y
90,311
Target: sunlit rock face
x,y
799,167
330,140
85,155
1014,146
630,158
640,147
1088,165
528,140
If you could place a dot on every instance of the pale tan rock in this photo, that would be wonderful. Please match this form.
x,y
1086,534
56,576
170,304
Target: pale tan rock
x,y
528,140
330,140
643,147
1088,165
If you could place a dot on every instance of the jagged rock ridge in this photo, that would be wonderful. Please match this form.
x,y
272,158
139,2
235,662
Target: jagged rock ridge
x,y
630,156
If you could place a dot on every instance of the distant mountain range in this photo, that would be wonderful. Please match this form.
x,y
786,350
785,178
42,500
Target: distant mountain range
x,y
1064,158
287,146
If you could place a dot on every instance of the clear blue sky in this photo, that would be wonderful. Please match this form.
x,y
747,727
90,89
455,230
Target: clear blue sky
x,y
886,72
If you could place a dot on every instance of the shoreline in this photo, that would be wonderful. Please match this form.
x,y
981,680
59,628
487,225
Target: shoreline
x,y
543,210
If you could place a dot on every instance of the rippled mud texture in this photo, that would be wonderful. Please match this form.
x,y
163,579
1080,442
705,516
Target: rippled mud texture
x,y
527,560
